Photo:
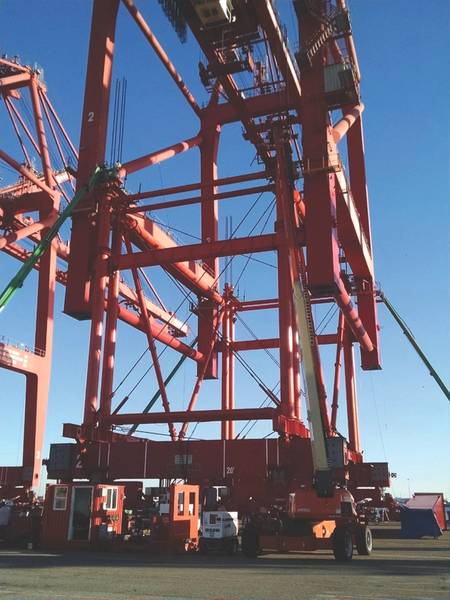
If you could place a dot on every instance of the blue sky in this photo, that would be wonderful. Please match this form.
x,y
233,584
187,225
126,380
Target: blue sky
x,y
402,50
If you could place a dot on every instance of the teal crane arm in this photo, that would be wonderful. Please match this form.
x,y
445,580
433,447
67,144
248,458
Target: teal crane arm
x,y
415,345
99,174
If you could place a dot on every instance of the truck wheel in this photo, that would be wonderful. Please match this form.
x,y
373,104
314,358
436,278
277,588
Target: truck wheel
x,y
202,547
250,542
364,540
342,544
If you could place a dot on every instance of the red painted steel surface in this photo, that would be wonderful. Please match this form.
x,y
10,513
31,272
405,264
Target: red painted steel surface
x,y
328,220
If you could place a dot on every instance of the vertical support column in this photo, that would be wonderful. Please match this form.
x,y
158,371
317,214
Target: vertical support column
x,y
285,310
228,319
350,387
37,385
232,319
92,153
225,368
110,330
98,306
210,133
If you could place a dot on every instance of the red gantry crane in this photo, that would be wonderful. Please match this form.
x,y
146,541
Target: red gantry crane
x,y
295,109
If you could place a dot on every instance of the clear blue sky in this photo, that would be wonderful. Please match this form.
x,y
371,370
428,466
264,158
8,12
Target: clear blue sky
x,y
402,48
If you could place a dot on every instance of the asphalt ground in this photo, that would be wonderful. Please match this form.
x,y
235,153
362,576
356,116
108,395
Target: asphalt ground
x,y
397,569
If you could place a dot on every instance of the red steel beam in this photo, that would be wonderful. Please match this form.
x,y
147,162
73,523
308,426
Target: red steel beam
x,y
195,416
352,318
179,189
259,189
160,333
261,344
14,82
158,156
183,254
147,319
146,234
257,106
26,173
269,22
344,124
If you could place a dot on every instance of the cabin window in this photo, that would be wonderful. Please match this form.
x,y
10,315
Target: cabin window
x,y
60,497
181,503
111,499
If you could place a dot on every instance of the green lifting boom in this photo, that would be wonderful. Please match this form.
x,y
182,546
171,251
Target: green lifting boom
x,y
414,344
100,175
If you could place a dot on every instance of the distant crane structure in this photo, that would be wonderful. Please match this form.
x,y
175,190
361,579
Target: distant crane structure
x,y
287,106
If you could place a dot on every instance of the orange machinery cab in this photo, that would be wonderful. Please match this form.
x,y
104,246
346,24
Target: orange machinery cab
x,y
81,513
184,514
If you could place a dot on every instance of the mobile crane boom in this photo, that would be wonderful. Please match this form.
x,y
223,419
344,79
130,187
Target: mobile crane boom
x,y
414,344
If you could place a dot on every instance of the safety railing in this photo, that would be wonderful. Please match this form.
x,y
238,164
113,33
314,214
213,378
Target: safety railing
x,y
5,341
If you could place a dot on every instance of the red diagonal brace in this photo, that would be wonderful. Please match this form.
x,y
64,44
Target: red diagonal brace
x,y
151,341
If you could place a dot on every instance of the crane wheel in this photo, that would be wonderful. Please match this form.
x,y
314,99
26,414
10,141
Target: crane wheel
x,y
250,542
232,547
364,540
342,544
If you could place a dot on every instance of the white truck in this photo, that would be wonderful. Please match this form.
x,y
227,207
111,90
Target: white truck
x,y
219,532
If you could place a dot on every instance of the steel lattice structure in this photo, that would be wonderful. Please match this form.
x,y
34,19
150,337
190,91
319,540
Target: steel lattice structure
x,y
321,233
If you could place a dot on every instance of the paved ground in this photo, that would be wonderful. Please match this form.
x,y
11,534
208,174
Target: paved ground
x,y
398,569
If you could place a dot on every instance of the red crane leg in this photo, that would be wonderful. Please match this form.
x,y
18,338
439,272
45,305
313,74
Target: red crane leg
x,y
285,310
37,384
350,388
92,153
110,344
112,311
207,314
98,307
